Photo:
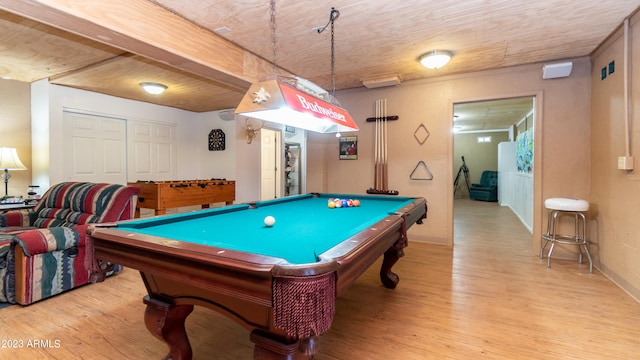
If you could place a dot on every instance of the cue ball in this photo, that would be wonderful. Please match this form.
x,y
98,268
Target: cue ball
x,y
269,221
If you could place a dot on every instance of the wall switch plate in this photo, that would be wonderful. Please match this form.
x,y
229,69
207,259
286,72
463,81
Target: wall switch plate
x,y
625,162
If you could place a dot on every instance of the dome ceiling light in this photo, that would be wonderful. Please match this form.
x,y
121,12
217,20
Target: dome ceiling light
x,y
153,88
435,59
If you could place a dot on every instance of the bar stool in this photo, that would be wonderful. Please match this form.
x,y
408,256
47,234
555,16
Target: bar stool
x,y
558,207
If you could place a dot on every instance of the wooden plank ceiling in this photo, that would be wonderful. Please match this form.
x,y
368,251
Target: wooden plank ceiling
x,y
374,39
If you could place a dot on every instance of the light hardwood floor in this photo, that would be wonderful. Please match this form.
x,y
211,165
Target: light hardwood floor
x,y
487,297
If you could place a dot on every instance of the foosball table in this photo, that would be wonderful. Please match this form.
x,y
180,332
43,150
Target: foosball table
x,y
162,195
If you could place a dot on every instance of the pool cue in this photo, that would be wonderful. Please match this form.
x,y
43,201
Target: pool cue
x,y
380,147
377,145
375,151
380,142
385,168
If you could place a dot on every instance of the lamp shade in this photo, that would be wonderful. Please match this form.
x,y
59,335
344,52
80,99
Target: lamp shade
x,y
279,102
9,159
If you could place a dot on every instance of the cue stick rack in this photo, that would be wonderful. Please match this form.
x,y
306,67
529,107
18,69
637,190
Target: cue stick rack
x,y
385,118
380,158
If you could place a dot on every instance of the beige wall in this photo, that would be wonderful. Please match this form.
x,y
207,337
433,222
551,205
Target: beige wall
x,y
562,136
15,131
615,194
478,156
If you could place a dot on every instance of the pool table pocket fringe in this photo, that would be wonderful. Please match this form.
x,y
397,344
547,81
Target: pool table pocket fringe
x,y
304,306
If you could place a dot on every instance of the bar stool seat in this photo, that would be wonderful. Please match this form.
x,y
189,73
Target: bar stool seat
x,y
558,207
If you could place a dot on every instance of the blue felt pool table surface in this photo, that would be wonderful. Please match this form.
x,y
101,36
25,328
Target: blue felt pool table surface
x,y
305,226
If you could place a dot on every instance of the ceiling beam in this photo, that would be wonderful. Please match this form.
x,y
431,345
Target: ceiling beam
x,y
146,29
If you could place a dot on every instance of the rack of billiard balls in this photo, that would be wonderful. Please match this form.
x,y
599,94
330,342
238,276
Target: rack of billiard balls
x,y
342,203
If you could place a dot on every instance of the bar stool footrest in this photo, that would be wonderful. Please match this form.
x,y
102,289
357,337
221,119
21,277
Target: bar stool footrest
x,y
565,239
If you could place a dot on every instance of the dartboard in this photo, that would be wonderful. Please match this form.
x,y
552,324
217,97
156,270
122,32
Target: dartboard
x,y
216,140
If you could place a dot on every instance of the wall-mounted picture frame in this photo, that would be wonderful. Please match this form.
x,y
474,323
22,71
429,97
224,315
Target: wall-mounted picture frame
x,y
349,148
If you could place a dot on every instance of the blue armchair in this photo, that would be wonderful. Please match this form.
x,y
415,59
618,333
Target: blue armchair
x,y
487,189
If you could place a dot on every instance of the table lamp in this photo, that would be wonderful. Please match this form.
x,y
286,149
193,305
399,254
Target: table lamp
x,y
9,160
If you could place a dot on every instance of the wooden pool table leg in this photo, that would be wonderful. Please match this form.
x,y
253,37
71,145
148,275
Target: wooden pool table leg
x,y
268,348
166,322
391,256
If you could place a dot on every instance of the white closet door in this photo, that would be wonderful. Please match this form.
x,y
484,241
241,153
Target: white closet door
x,y
152,151
94,148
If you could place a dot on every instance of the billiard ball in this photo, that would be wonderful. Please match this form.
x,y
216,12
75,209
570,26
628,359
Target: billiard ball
x,y
344,203
356,202
338,203
350,202
331,204
269,221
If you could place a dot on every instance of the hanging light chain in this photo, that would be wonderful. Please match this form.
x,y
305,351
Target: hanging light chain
x,y
333,58
273,35
333,15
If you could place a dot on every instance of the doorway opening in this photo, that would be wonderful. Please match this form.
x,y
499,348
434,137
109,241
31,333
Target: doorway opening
x,y
292,169
496,136
282,162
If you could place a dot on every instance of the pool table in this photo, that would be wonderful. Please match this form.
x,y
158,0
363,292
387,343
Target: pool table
x,y
280,282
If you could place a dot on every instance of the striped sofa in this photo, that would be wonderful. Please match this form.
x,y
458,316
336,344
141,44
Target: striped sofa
x,y
42,250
